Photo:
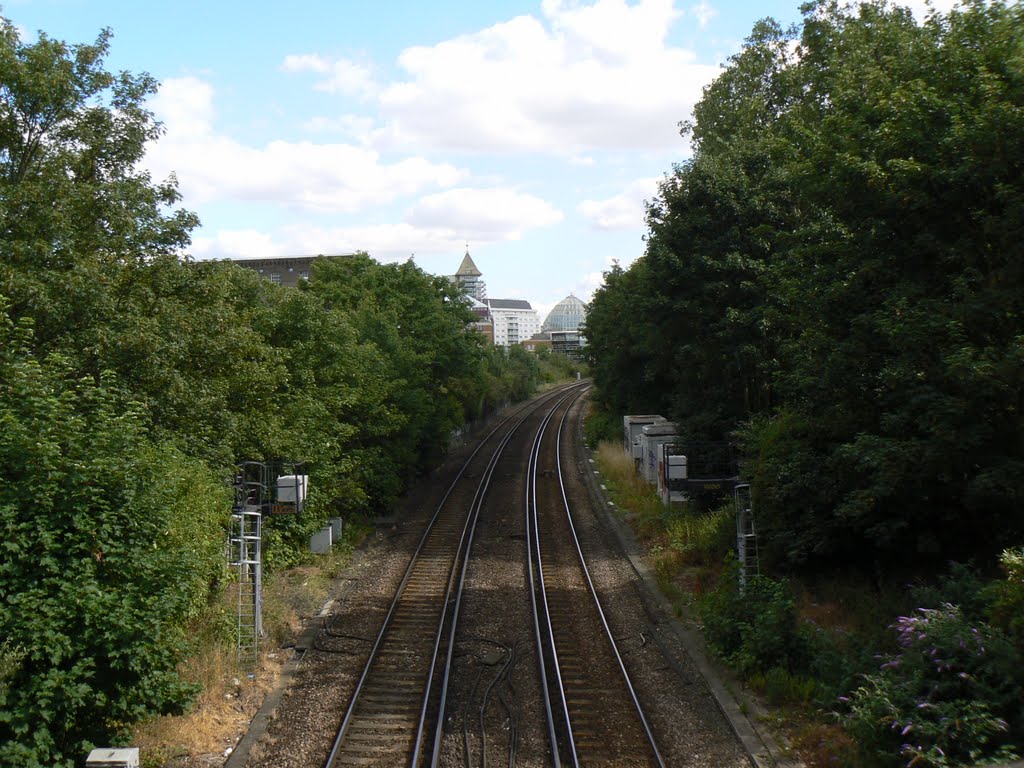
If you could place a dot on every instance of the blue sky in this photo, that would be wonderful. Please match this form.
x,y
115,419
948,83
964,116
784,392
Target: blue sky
x,y
533,131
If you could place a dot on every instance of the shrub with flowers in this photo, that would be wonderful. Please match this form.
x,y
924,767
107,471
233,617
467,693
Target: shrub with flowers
x,y
950,696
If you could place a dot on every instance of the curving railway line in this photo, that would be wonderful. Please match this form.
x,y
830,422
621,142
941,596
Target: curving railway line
x,y
587,687
392,718
493,647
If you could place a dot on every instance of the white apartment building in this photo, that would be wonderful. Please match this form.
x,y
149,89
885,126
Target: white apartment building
x,y
514,320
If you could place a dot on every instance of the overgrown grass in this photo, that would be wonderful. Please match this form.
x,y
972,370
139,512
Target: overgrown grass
x,y
702,539
231,693
686,549
630,492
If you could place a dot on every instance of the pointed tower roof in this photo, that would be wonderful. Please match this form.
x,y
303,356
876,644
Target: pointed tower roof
x,y
467,268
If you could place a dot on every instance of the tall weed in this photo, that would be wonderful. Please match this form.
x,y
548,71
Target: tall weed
x,y
702,538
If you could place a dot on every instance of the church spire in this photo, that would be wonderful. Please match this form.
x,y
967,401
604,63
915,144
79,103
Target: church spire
x,y
468,268
470,277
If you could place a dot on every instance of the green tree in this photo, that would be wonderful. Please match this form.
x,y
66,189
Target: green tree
x,y
110,543
74,207
623,347
901,361
834,275
420,325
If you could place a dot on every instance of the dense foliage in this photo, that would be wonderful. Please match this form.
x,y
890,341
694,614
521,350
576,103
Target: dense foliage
x,y
834,280
947,697
131,381
110,542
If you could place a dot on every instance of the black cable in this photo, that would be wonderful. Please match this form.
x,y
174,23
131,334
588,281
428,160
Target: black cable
x,y
483,706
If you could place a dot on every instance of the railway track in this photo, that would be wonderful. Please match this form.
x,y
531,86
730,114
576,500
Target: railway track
x,y
392,718
594,715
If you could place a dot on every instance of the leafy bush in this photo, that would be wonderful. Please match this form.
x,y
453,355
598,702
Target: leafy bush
x,y
110,544
755,630
601,425
555,366
946,698
963,586
1008,597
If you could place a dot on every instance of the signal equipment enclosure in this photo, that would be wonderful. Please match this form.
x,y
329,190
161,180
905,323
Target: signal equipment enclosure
x,y
652,437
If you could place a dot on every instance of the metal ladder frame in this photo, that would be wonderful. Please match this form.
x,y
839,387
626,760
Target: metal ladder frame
x,y
746,534
245,555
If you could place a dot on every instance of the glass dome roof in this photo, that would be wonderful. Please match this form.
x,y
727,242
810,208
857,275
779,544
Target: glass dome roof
x,y
566,315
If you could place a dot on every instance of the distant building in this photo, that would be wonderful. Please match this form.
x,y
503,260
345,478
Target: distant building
x,y
566,315
483,324
536,342
285,270
514,320
562,326
470,278
504,321
568,343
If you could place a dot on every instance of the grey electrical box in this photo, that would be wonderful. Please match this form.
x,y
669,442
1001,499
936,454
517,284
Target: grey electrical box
x,y
676,467
321,541
105,757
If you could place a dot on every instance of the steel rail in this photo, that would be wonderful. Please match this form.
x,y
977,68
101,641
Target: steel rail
x,y
533,551
478,500
597,601
389,616
475,513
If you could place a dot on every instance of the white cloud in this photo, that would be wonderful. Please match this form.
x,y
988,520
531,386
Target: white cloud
x,y
340,75
292,241
609,29
235,244
623,211
703,12
185,106
383,242
354,126
330,177
436,225
484,214
590,282
584,161
599,76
